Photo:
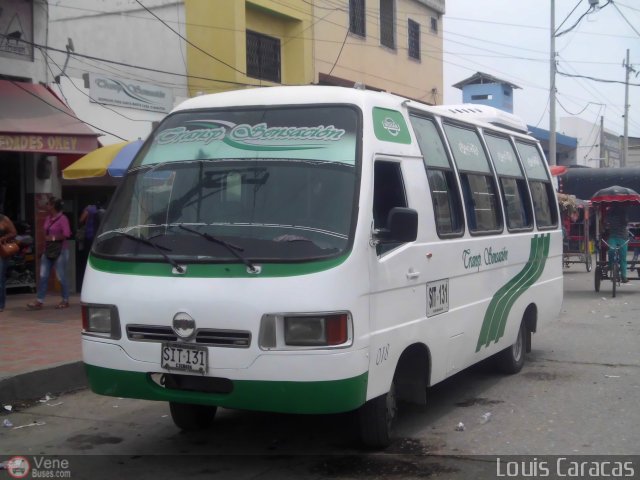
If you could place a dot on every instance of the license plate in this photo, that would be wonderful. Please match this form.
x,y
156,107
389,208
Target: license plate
x,y
437,297
184,357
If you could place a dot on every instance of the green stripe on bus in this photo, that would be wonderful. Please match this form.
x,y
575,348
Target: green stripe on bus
x,y
495,318
218,270
333,396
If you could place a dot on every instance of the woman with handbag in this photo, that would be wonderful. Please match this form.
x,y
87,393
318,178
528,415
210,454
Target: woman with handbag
x,y
7,236
57,231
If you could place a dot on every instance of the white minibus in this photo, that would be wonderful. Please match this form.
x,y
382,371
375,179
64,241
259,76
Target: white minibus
x,y
317,250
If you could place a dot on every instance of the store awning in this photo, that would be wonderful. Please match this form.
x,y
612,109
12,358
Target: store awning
x,y
33,119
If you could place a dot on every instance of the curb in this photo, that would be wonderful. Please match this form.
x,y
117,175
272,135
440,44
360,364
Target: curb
x,y
36,384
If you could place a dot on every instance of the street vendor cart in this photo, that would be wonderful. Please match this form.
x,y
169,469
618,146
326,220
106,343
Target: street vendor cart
x,y
602,201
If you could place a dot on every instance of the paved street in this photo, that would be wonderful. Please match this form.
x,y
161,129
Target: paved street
x,y
577,394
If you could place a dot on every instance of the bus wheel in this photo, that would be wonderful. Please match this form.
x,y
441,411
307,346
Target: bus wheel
x,y
511,359
376,419
190,417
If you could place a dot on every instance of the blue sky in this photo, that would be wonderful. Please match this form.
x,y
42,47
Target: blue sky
x,y
510,39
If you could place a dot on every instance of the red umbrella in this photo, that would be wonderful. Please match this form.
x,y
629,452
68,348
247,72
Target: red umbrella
x,y
616,194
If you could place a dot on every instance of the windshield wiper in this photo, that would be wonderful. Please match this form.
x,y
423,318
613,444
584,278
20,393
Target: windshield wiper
x,y
158,248
233,249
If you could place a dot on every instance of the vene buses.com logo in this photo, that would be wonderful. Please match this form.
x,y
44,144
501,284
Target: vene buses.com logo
x,y
17,467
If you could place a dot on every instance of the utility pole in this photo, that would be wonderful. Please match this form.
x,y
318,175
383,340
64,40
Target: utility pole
x,y
625,140
552,89
602,159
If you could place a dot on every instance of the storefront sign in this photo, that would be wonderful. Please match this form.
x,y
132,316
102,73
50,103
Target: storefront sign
x,y
129,93
48,143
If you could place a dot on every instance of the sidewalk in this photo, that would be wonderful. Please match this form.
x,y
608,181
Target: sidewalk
x,y
40,351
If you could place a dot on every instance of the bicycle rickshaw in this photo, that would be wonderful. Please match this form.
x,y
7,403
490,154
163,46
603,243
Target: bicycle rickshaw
x,y
602,201
576,246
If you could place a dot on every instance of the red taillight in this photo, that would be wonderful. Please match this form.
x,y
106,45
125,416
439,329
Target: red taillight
x,y
336,329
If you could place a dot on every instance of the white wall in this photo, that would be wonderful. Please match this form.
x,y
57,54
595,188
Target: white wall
x,y
120,31
588,136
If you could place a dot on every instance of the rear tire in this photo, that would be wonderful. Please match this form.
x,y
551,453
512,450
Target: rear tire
x,y
596,278
189,417
511,359
376,419
588,263
615,277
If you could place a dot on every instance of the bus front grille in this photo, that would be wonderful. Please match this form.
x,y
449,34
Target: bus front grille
x,y
204,336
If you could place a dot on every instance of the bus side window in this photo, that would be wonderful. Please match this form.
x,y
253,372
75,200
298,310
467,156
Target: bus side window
x,y
445,195
515,196
542,192
479,188
388,192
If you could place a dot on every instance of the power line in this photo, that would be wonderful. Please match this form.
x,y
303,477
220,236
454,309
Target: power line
x,y
124,64
603,80
187,41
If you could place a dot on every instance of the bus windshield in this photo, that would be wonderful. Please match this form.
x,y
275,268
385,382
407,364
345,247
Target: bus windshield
x,y
271,185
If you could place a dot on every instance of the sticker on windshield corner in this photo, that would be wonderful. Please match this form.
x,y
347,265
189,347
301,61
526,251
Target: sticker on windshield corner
x,y
389,126
437,297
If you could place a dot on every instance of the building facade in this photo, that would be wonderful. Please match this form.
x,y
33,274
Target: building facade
x,y
597,146
38,130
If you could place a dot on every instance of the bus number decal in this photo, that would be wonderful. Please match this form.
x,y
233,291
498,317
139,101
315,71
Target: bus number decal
x,y
437,297
383,354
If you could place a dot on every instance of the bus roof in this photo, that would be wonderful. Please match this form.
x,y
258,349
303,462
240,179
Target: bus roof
x,y
319,94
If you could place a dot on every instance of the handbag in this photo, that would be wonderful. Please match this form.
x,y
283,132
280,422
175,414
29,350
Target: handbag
x,y
52,250
8,249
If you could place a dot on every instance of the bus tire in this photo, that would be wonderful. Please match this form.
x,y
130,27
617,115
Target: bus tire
x,y
511,359
376,419
189,417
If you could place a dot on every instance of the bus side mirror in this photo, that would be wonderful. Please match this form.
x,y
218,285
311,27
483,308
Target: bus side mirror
x,y
402,225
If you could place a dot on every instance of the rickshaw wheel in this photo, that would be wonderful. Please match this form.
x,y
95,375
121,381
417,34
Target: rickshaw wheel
x,y
615,277
596,278
588,262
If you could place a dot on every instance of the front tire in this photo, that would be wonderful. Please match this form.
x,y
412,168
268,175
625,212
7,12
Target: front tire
x,y
376,419
511,359
189,417
596,278
588,262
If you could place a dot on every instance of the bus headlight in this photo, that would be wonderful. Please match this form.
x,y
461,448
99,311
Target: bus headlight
x,y
101,321
307,330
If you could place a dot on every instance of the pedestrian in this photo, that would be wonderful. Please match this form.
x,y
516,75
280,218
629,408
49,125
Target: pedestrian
x,y
89,221
56,255
616,220
7,232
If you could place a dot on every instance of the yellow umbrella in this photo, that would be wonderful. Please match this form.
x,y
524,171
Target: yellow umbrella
x,y
113,159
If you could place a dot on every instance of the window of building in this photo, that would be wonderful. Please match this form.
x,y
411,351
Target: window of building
x,y
445,194
414,39
434,24
478,183
542,192
263,57
481,97
357,23
515,196
388,23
